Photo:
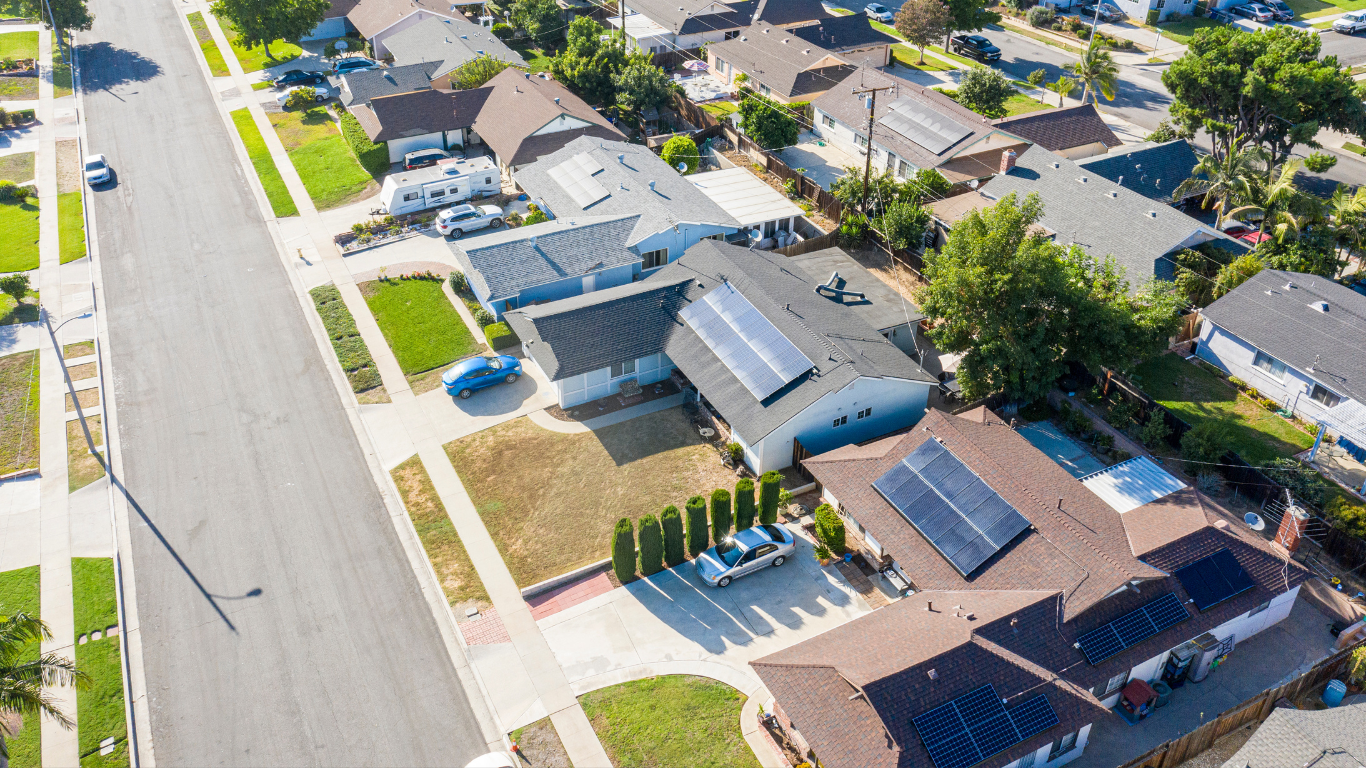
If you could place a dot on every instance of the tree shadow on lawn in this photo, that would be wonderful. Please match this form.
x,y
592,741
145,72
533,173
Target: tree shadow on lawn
x,y
24,313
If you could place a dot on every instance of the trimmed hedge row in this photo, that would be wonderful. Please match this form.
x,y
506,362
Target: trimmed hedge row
x,y
744,504
769,489
374,158
500,336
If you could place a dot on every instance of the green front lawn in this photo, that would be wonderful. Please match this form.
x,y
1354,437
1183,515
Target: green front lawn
x,y
100,712
214,57
26,312
1182,31
255,58
17,168
19,592
19,45
325,163
71,226
1023,104
842,11
19,233
419,322
1312,9
907,56
280,200
1195,394
670,720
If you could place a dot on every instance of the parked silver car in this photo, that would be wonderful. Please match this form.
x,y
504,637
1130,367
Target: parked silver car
x,y
455,222
744,553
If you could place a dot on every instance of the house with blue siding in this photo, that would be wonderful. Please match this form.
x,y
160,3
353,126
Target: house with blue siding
x,y
791,371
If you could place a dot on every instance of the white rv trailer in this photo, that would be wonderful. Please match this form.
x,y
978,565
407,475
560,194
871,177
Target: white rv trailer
x,y
446,183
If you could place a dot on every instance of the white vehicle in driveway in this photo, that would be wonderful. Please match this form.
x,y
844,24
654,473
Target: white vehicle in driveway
x,y
321,93
96,169
878,12
1350,23
744,553
455,222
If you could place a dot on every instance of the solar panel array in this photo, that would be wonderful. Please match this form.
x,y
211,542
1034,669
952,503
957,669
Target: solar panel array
x,y
950,505
976,725
924,127
1133,628
1212,580
759,355
575,176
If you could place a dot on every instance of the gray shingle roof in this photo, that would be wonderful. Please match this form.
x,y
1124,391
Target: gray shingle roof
x,y
1099,215
674,200
881,308
451,42
1152,170
1060,129
685,17
1279,321
1328,738
361,87
841,33
505,263
788,68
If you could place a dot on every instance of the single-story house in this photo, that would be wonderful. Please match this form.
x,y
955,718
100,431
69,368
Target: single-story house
x,y
1152,170
1325,738
597,177
787,369
662,26
377,20
527,116
853,37
358,88
845,281
780,66
1074,132
915,127
1296,338
753,204
430,119
334,22
450,43
1023,611
1082,208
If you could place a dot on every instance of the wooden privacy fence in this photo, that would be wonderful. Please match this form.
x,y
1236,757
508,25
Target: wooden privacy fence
x,y
1255,709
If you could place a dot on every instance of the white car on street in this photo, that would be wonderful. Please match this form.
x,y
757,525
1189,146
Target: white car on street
x,y
96,169
878,12
321,93
1350,23
455,222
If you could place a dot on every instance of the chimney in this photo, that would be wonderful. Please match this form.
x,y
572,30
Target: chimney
x,y
1007,160
1292,528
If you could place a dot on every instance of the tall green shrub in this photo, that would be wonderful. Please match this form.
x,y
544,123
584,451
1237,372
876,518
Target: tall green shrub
x,y
744,504
1207,442
696,509
675,548
720,515
651,546
624,551
830,528
769,486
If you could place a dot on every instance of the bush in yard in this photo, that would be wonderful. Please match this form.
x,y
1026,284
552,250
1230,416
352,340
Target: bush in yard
x,y
675,548
301,98
500,336
374,158
830,528
769,490
696,509
1076,421
534,215
1347,515
651,546
1206,443
624,551
1210,483
720,515
1040,16
1237,382
483,318
503,32
1155,431
1303,482
744,504
15,286
7,189
458,282
736,451
1122,413
680,149
822,552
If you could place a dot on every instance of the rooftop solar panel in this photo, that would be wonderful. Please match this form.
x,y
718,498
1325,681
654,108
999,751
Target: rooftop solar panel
x,y
1213,579
759,355
950,505
923,126
976,726
575,176
1033,717
1132,628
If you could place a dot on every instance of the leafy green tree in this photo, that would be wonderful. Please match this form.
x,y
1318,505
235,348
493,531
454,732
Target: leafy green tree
x,y
261,22
770,491
969,16
1320,162
1269,89
767,124
1226,180
624,550
1167,132
475,72
696,510
15,285
1036,79
1063,86
922,22
984,91
680,150
1315,253
1097,71
538,18
587,63
651,546
1155,430
1205,443
927,183
68,15
744,504
720,515
675,546
24,682
904,225
640,85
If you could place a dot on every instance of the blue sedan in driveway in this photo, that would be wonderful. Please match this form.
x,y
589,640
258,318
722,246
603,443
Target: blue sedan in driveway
x,y
479,372
744,553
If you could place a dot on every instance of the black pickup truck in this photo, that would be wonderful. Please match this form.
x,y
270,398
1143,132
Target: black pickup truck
x,y
975,46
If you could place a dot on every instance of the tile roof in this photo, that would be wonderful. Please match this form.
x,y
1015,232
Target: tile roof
x,y
521,105
882,307
423,112
1326,738
450,42
1280,321
371,17
1060,129
673,200
1151,170
790,66
504,264
361,87
840,33
1101,216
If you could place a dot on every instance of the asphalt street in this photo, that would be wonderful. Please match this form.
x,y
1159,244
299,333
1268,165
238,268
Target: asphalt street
x,y
281,621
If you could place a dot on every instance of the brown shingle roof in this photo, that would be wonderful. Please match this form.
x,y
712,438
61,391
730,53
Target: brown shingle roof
x,y
1060,129
1164,521
422,112
520,105
370,17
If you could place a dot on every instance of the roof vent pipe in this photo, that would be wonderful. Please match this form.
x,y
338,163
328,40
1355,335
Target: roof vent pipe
x,y
652,186
621,159
532,240
830,286
557,101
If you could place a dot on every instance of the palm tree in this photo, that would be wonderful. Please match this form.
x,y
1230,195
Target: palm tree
x,y
22,682
1345,211
1062,86
1272,197
1098,71
1226,181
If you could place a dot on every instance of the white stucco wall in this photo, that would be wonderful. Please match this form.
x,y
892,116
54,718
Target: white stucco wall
x,y
1234,356
561,123
580,389
843,137
1041,756
1085,150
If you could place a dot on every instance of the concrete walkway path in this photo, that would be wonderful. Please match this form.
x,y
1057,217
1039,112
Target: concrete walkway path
x,y
546,421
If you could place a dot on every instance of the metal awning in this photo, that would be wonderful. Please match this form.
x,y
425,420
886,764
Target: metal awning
x,y
1131,484
1348,419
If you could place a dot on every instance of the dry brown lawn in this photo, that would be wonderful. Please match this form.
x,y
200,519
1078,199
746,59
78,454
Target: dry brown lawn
x,y
444,549
81,372
550,500
79,349
89,398
540,745
68,166
82,466
18,412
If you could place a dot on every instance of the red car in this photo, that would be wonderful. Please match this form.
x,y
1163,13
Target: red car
x,y
1235,230
1254,237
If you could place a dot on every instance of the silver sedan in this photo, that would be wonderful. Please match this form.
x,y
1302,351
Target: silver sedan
x,y
744,553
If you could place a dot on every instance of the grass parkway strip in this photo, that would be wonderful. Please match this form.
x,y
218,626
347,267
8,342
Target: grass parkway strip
x,y
214,57
99,710
18,412
280,200
447,553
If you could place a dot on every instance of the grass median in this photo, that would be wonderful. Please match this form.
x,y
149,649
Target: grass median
x,y
274,184
350,348
19,592
328,168
71,226
100,711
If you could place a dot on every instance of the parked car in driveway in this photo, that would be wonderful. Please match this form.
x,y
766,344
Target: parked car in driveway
x,y
321,93
480,372
1350,23
96,169
1280,10
744,553
299,77
1255,11
1108,12
878,12
354,64
455,222
975,46
423,157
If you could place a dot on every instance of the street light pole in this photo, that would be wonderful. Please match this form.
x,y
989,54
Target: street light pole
x,y
70,388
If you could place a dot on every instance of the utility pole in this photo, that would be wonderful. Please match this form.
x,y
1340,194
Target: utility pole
x,y
868,162
621,9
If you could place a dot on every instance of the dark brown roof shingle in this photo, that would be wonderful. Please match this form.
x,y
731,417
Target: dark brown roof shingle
x,y
1060,129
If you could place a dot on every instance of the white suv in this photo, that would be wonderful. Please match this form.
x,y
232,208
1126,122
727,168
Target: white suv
x,y
455,222
1350,23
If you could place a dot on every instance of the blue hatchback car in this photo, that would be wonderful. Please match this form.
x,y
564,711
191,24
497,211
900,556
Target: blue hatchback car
x,y
479,372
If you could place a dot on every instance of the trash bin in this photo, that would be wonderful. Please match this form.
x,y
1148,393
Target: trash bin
x,y
1332,695
1164,694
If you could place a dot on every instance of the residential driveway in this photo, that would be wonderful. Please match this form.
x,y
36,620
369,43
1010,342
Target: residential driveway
x,y
671,623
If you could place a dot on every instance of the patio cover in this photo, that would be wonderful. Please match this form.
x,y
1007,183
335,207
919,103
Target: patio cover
x,y
1347,419
1131,484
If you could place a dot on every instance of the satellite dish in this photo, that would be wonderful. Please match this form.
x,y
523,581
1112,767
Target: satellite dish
x,y
682,167
341,45
1254,521
756,234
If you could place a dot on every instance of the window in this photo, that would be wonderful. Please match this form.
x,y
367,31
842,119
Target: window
x,y
1161,3
841,421
765,90
828,121
437,193
652,259
717,236
411,196
1273,367
488,179
731,34
1116,683
749,557
860,140
1065,745
1025,762
903,170
891,162
1323,396
866,412
765,549
1260,608
623,369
